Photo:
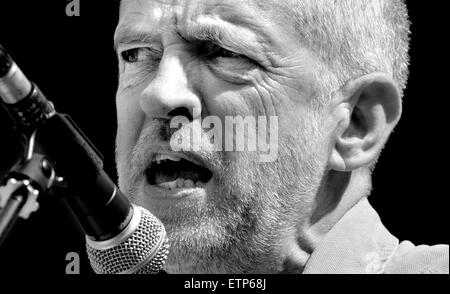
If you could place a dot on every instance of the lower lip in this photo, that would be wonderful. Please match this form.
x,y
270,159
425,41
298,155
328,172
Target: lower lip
x,y
159,193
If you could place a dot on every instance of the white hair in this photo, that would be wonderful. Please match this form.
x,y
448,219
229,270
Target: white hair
x,y
354,38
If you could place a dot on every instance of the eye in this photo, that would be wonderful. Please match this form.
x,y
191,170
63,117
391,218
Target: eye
x,y
137,64
135,55
212,51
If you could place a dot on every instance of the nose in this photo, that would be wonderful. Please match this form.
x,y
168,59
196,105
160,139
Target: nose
x,y
170,93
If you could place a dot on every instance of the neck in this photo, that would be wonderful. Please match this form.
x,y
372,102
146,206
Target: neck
x,y
338,193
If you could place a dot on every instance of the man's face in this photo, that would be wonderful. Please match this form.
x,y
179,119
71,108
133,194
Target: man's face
x,y
224,211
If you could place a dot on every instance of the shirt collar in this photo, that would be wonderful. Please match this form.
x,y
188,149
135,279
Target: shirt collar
x,y
358,244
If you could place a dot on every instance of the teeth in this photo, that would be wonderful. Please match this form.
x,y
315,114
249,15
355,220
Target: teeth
x,y
189,184
161,157
181,183
170,185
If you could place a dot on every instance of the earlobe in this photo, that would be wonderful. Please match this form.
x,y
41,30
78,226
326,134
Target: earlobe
x,y
336,161
374,104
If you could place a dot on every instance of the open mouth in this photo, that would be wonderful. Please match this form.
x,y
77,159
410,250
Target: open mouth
x,y
172,172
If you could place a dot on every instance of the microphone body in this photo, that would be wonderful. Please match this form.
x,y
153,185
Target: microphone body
x,y
121,237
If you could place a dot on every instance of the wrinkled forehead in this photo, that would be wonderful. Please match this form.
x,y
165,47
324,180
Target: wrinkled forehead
x,y
181,11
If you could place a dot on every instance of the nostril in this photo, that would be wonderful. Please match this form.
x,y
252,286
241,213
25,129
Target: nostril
x,y
181,111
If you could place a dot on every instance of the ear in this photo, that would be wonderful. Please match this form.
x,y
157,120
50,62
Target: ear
x,y
367,112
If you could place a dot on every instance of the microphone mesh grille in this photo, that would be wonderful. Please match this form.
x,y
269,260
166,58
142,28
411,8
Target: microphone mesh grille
x,y
134,250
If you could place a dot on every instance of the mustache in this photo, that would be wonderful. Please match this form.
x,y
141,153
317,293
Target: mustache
x,y
161,129
155,138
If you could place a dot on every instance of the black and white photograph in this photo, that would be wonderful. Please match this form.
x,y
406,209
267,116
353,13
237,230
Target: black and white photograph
x,y
223,137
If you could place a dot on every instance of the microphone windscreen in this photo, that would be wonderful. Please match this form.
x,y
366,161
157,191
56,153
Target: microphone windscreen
x,y
141,249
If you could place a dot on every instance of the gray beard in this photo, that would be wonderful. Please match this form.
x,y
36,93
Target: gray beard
x,y
259,204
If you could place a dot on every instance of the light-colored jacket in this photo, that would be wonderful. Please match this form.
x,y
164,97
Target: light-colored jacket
x,y
360,244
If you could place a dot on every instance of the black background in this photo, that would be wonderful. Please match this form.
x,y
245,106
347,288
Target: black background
x,y
73,62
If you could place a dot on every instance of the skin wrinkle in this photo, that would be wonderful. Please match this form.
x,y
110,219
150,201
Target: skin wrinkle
x,y
127,35
242,18
246,44
282,75
267,80
261,37
268,96
263,243
264,103
251,217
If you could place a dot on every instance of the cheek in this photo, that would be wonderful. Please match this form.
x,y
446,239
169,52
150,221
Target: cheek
x,y
129,123
274,98
221,98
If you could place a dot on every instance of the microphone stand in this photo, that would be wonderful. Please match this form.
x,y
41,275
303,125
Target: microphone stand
x,y
20,189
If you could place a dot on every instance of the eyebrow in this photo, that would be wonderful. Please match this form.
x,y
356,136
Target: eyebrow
x,y
212,33
223,34
229,38
226,29
204,32
128,35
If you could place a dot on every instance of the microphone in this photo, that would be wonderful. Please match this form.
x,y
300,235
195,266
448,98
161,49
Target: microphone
x,y
120,237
